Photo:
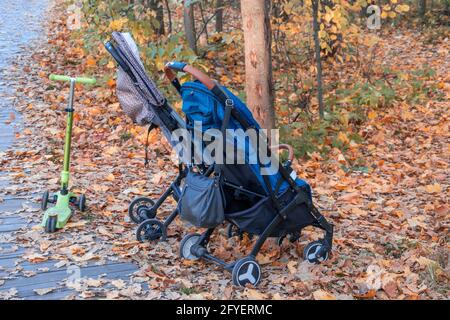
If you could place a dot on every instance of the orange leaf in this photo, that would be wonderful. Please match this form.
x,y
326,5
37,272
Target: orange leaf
x,y
323,295
368,295
91,62
111,83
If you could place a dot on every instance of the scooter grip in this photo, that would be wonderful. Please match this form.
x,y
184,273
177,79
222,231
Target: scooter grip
x,y
82,80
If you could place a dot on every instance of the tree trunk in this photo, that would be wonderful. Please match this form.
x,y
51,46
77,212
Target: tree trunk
x,y
422,8
169,16
219,15
189,26
156,6
258,60
315,6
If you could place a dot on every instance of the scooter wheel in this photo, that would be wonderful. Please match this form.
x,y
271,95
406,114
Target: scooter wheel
x,y
140,209
82,203
151,229
50,224
44,200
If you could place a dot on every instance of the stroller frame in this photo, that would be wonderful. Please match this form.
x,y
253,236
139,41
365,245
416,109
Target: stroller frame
x,y
193,246
247,270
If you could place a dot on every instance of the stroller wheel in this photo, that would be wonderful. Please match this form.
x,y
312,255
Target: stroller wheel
x,y
140,209
314,252
246,270
151,229
186,244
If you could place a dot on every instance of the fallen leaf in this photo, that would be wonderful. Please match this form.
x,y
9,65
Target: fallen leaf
x,y
323,295
433,188
254,294
43,291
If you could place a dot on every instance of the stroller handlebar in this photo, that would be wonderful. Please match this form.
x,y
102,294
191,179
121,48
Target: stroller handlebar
x,y
181,66
82,80
285,147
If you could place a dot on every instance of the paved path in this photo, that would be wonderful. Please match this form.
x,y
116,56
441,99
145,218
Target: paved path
x,y
20,27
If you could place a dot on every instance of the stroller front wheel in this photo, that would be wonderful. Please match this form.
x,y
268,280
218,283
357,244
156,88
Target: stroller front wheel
x,y
246,270
313,252
151,229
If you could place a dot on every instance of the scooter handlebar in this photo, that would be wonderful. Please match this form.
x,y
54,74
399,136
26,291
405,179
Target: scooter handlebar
x,y
81,80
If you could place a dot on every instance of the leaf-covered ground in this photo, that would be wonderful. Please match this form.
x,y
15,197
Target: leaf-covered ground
x,y
391,220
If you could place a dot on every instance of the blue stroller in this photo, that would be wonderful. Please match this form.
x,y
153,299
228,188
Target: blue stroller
x,y
266,205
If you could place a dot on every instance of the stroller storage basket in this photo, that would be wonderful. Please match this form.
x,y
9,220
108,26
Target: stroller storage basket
x,y
255,219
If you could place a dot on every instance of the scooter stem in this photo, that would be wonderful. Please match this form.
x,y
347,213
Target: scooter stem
x,y
68,137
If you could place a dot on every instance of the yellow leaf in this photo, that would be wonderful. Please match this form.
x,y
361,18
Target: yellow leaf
x,y
372,115
392,14
433,188
402,8
110,177
111,65
118,24
343,137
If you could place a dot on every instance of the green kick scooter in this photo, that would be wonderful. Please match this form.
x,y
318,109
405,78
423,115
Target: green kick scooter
x,y
56,217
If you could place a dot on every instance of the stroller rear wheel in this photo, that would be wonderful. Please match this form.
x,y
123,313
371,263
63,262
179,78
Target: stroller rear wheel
x,y
314,252
151,229
186,244
141,209
246,270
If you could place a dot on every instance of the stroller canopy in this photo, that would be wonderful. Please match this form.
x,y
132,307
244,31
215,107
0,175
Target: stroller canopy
x,y
137,93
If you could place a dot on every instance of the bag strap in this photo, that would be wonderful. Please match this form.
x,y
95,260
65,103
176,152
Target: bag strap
x,y
229,106
150,128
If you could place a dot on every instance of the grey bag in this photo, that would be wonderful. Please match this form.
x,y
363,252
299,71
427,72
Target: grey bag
x,y
202,201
